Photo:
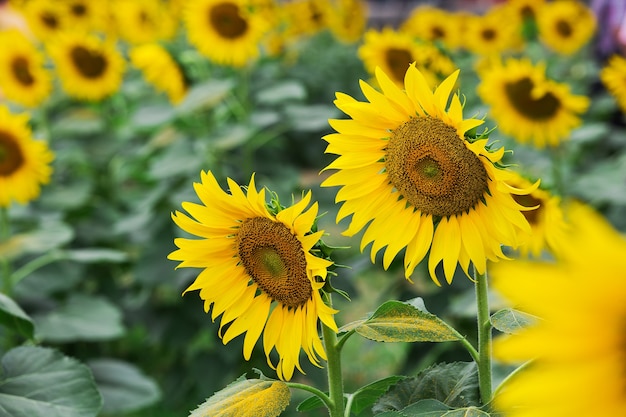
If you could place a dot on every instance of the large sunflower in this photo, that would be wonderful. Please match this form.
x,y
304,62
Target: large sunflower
x,y
258,270
141,21
23,78
527,105
394,51
24,162
412,178
565,26
89,68
160,69
613,76
224,31
577,346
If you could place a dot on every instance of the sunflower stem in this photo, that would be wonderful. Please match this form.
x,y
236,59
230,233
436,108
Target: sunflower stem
x,y
484,337
335,378
7,285
321,395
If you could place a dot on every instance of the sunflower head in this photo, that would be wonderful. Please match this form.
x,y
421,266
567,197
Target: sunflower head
x,y
263,269
566,26
613,76
414,175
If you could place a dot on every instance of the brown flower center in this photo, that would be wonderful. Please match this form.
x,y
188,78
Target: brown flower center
x,y
519,95
527,200
275,260
78,9
21,70
430,166
488,34
564,28
11,156
49,20
227,21
90,63
398,60
437,32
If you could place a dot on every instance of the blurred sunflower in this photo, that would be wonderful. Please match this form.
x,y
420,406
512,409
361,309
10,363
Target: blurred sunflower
x,y
89,68
613,76
566,26
394,51
143,21
348,20
412,179
307,17
486,35
577,345
528,106
547,223
23,78
160,70
258,270
433,25
224,31
46,19
24,162
87,15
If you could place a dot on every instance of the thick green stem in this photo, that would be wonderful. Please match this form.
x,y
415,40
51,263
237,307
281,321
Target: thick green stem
x,y
7,285
335,378
484,337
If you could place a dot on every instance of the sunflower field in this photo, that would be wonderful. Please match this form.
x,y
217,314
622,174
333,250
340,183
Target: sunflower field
x,y
254,208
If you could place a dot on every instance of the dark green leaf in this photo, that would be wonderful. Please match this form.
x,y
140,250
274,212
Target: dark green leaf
x,y
124,388
80,318
41,382
311,403
13,317
366,396
509,320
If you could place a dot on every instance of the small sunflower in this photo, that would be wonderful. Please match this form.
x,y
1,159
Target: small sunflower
x,y
527,105
486,35
87,15
23,78
89,68
566,26
613,76
24,162
412,179
432,24
224,31
349,20
142,21
258,270
46,19
394,51
547,223
160,69
577,346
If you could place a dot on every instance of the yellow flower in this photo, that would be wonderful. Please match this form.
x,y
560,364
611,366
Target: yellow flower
x,y
306,17
24,162
412,178
565,26
23,78
394,51
89,68
526,9
141,21
45,18
613,76
486,35
527,105
348,20
258,270
224,31
433,25
160,69
87,15
577,343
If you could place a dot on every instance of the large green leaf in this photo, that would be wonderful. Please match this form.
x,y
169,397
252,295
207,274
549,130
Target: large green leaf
x,y
454,384
13,317
395,321
124,388
80,318
509,320
50,235
204,96
246,398
434,408
366,396
41,382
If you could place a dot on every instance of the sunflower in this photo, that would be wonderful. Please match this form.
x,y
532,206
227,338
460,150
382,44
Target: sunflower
x,y
613,76
566,26
87,15
24,162
412,178
258,270
141,21
529,106
23,78
394,51
432,24
89,68
486,35
46,19
224,31
577,347
307,17
160,69
547,223
348,20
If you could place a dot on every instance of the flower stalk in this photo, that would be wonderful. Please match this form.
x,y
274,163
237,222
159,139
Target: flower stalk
x,y
7,285
335,378
484,337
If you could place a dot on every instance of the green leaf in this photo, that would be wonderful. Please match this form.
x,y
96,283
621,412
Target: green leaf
x,y
509,320
204,96
311,403
246,398
41,382
282,92
466,412
13,317
395,321
310,118
454,384
80,318
92,255
124,387
366,396
50,235
151,116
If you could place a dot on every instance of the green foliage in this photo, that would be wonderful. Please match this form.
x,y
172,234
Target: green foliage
x,y
509,320
14,318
